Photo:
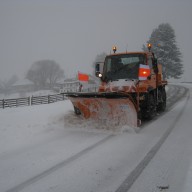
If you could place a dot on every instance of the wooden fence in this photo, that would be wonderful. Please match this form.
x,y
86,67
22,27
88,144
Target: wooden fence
x,y
33,100
47,99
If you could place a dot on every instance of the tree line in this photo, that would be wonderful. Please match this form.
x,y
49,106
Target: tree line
x,y
43,73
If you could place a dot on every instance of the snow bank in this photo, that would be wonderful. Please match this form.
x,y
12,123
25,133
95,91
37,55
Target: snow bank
x,y
21,125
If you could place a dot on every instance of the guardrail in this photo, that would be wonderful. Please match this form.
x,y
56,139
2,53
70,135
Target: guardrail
x,y
33,100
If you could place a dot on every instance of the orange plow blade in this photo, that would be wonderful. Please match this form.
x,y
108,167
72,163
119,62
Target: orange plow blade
x,y
113,111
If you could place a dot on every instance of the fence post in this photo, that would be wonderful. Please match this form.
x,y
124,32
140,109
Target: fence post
x,y
16,102
48,99
3,104
32,100
29,101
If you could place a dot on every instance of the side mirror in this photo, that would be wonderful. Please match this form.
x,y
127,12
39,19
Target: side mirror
x,y
154,63
98,69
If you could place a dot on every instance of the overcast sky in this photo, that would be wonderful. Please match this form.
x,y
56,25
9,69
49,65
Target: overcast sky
x,y
73,32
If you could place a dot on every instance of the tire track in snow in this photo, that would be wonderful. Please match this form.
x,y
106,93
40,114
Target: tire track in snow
x,y
132,177
56,167
175,93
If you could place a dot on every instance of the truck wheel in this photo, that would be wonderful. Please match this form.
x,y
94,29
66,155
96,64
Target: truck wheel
x,y
150,110
162,104
77,111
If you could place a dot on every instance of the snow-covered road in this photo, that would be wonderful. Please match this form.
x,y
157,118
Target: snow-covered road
x,y
171,167
46,148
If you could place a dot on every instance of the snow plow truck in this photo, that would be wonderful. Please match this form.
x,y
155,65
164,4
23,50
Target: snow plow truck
x,y
132,88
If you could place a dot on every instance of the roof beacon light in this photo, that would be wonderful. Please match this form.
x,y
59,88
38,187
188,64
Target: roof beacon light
x,y
114,49
149,46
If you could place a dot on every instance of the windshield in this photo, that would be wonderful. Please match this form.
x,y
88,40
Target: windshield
x,y
124,66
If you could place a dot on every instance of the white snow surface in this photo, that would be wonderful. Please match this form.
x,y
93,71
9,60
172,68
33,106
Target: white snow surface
x,y
38,145
27,94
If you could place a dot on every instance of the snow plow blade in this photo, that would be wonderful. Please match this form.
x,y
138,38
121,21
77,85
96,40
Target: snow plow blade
x,y
110,108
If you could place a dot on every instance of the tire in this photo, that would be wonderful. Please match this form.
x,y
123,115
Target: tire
x,y
149,112
162,100
77,111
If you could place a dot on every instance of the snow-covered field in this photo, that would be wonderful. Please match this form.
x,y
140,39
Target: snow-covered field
x,y
23,125
47,148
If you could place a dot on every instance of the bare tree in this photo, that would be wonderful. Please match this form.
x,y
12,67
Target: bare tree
x,y
45,73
